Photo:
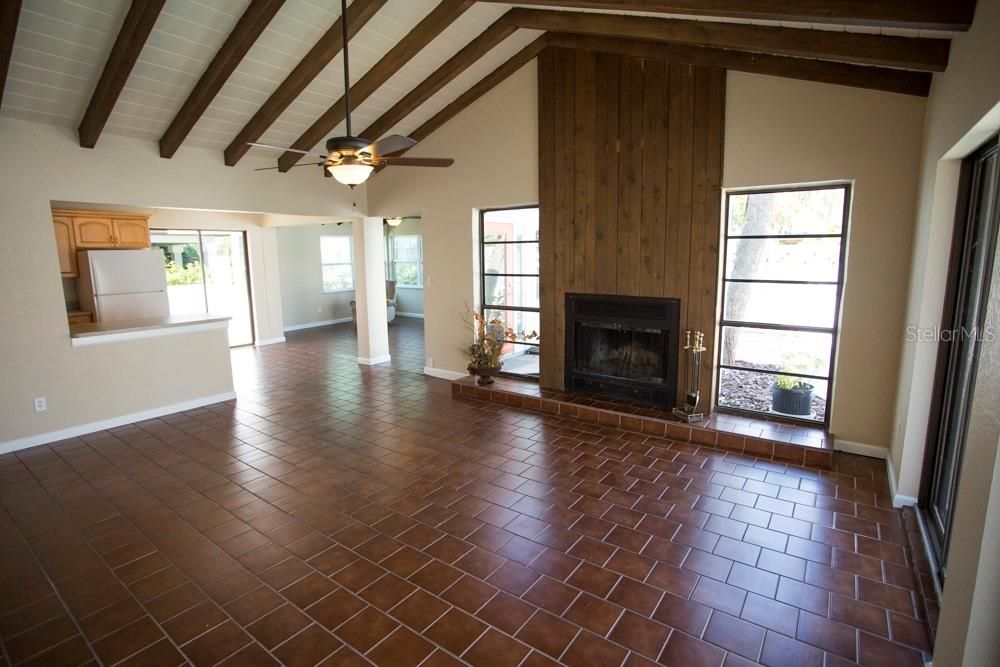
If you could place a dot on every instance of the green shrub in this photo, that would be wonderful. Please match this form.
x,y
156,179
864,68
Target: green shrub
x,y
187,275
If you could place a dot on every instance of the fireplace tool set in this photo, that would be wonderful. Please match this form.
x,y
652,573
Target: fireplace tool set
x,y
694,346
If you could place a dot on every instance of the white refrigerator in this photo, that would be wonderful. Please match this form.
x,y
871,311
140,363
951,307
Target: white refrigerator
x,y
120,285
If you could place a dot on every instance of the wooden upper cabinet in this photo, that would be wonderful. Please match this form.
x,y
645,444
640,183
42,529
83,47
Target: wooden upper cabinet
x,y
131,233
95,229
94,232
65,245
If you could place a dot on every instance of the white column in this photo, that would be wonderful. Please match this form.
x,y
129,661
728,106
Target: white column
x,y
265,279
369,289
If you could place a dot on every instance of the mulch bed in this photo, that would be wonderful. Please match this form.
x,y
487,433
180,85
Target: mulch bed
x,y
746,390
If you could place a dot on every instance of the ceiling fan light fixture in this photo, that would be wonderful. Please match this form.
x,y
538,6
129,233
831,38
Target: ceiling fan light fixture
x,y
394,222
351,174
349,159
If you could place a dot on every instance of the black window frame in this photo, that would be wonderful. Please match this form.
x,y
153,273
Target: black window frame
x,y
833,331
483,305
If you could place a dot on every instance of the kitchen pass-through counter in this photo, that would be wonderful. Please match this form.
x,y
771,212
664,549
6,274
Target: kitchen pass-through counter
x,y
107,332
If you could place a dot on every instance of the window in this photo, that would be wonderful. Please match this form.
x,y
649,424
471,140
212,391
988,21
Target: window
x,y
406,260
783,272
509,280
207,272
338,266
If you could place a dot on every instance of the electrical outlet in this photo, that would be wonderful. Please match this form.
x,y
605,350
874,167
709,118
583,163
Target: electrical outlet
x,y
430,362
41,404
319,309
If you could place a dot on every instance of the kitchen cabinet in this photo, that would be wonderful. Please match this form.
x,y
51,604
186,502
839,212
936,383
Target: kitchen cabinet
x,y
101,230
131,232
65,245
93,232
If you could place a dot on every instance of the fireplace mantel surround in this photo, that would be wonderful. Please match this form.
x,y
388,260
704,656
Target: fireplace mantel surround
x,y
630,175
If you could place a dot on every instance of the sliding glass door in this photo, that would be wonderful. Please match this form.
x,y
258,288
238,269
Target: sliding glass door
x,y
207,272
974,251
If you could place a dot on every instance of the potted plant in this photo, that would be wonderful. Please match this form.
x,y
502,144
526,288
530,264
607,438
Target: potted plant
x,y
490,337
791,395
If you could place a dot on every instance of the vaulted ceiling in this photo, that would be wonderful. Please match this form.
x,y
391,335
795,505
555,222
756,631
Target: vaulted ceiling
x,y
220,73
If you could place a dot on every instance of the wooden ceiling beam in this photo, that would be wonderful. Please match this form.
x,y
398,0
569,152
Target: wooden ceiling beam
x,y
857,76
488,83
429,27
485,85
455,65
866,49
10,11
328,46
921,14
139,21
249,27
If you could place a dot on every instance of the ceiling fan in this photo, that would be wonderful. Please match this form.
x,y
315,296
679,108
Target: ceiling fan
x,y
351,159
398,220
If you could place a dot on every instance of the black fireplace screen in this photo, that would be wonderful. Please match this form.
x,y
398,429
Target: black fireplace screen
x,y
623,346
612,350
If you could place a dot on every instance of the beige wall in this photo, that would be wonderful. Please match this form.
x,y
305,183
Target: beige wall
x,y
782,131
962,112
409,300
494,146
85,385
303,301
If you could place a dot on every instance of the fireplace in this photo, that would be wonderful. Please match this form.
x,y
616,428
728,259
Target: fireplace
x,y
623,346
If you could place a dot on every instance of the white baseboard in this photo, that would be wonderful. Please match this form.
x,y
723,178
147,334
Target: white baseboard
x,y
269,341
373,361
318,323
898,499
863,449
443,374
113,422
419,315
860,448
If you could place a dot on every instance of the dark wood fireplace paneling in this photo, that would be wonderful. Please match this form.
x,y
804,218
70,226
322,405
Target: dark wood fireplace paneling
x,y
630,175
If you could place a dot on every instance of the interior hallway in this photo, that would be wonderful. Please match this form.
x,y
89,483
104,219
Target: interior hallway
x,y
353,514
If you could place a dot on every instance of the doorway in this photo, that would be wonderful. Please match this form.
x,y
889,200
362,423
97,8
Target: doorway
x,y
974,247
207,272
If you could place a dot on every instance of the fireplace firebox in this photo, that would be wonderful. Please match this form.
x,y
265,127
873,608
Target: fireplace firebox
x,y
623,346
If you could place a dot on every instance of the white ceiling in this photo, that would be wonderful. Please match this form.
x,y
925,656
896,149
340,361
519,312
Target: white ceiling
x,y
61,47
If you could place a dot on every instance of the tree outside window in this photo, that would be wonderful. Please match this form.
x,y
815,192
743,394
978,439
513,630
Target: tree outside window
x,y
782,284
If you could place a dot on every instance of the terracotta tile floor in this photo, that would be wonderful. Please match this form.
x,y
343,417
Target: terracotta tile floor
x,y
345,515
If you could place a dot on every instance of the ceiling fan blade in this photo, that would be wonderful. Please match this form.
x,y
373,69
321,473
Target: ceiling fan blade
x,y
279,148
416,161
391,144
300,164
